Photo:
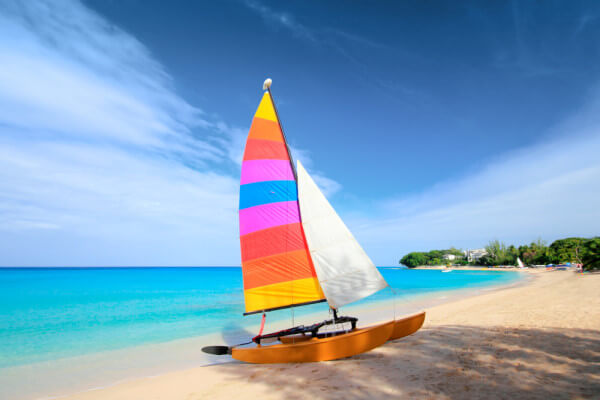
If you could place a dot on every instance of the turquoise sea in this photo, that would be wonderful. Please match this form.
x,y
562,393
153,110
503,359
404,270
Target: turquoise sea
x,y
53,313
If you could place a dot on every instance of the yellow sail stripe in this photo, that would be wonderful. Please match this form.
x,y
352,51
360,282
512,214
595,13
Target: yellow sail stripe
x,y
266,109
283,294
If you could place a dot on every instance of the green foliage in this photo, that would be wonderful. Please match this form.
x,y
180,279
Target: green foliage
x,y
574,250
456,252
499,254
535,253
433,257
591,254
414,259
567,250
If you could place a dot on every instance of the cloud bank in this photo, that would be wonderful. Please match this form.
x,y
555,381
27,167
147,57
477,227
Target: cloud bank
x,y
548,190
100,159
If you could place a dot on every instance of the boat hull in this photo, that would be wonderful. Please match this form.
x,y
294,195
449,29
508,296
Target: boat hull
x,y
407,326
402,327
331,348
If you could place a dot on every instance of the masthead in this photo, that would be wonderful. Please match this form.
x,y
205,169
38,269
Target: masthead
x,y
267,84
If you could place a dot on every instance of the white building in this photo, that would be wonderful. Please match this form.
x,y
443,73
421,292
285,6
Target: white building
x,y
474,255
449,257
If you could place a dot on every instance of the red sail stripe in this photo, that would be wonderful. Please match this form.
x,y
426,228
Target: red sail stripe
x,y
266,242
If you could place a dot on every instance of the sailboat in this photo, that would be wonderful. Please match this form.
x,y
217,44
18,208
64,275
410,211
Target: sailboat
x,y
297,251
520,263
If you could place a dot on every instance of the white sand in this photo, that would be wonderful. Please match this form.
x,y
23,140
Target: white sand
x,y
538,341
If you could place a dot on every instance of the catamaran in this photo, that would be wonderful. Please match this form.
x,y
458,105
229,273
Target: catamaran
x,y
297,251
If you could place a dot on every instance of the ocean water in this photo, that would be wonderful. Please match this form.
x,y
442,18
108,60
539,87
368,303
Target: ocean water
x,y
54,313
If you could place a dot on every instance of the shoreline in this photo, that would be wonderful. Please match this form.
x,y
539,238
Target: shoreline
x,y
437,298
114,367
471,338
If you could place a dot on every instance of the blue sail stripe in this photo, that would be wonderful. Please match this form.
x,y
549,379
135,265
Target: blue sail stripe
x,y
258,193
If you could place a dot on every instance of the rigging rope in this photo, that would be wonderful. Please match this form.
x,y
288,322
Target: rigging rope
x,y
394,300
262,324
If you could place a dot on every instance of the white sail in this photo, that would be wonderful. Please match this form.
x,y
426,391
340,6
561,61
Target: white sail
x,y
344,270
520,263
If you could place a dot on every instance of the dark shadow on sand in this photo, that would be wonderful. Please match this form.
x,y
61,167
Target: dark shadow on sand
x,y
457,362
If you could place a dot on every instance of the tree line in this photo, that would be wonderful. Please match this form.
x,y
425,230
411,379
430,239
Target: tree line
x,y
433,257
574,250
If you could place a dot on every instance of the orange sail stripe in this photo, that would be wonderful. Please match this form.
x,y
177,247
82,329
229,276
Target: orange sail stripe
x,y
264,129
278,268
279,239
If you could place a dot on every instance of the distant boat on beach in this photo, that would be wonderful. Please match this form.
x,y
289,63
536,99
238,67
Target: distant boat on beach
x,y
297,251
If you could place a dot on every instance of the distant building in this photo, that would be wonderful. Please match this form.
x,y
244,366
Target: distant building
x,y
449,257
474,255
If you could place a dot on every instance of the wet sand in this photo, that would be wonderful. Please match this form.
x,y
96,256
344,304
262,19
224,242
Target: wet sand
x,y
536,341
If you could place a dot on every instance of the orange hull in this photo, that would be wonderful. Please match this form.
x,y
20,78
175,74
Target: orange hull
x,y
402,327
407,326
308,349
331,348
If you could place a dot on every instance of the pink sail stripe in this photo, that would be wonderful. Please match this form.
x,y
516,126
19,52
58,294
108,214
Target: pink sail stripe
x,y
266,170
268,215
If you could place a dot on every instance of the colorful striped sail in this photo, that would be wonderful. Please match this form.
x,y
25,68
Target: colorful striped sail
x,y
276,265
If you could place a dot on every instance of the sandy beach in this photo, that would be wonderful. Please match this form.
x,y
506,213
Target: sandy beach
x,y
536,341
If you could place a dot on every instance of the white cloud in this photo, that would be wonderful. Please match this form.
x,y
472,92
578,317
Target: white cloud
x,y
101,162
328,186
548,190
74,74
283,19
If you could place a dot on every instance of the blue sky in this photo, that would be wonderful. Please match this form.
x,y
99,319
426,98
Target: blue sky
x,y
427,124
